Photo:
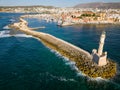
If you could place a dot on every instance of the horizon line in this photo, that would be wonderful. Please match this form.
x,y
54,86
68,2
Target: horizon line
x,y
53,5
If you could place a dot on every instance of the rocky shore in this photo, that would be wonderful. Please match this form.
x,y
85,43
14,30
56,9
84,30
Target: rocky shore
x,y
81,57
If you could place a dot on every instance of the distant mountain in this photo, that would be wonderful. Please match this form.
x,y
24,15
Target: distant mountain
x,y
26,6
100,5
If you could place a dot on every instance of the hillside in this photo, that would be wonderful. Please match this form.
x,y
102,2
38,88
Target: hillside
x,y
99,5
27,6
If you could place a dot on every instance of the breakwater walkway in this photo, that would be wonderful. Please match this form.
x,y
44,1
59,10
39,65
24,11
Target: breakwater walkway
x,y
81,57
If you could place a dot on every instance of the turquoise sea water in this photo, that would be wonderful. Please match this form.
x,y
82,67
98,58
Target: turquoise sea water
x,y
26,64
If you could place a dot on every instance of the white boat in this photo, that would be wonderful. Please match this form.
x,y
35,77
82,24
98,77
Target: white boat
x,y
59,23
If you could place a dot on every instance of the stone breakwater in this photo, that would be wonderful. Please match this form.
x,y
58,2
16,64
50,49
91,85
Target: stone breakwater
x,y
81,57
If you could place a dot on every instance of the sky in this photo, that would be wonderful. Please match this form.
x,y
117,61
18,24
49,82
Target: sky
x,y
57,3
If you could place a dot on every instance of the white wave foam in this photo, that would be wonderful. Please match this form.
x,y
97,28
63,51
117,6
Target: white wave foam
x,y
96,79
65,80
22,35
17,35
68,62
11,20
5,33
6,27
61,78
59,55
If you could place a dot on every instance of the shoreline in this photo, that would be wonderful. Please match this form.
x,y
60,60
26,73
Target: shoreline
x,y
81,57
42,16
90,24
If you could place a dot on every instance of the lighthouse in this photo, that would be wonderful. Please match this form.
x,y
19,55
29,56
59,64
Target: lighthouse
x,y
99,57
101,43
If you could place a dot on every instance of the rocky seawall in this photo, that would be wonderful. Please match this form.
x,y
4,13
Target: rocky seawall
x,y
81,57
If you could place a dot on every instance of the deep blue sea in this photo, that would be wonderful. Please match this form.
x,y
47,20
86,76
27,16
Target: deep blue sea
x,y
26,64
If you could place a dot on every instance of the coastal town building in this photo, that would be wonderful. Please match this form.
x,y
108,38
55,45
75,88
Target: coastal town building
x,y
99,57
70,16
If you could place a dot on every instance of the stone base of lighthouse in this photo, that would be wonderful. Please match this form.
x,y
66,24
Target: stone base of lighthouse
x,y
100,60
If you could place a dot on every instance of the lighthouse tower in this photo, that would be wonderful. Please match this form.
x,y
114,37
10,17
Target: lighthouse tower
x,y
100,57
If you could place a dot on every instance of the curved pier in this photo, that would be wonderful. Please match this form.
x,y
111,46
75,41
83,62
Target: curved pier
x,y
81,57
